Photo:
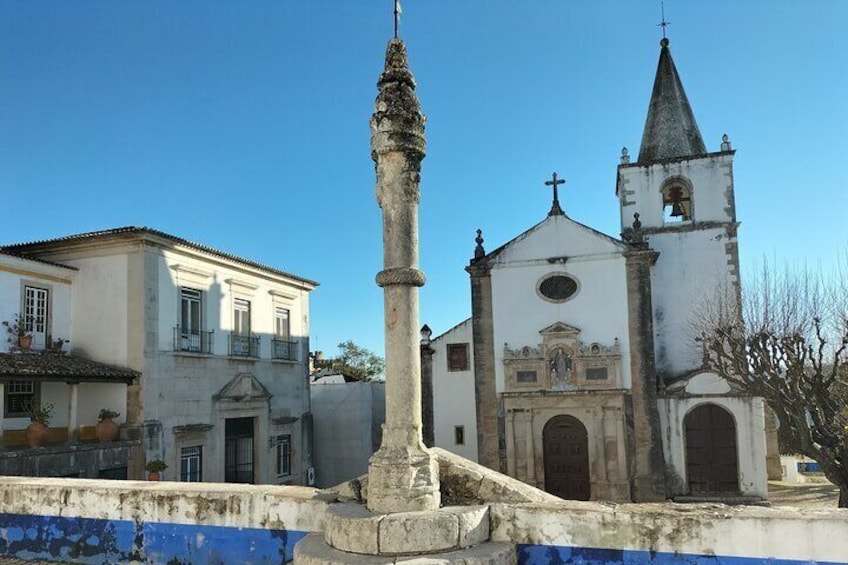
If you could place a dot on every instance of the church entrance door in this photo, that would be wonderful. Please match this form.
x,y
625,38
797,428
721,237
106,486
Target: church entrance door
x,y
566,452
711,462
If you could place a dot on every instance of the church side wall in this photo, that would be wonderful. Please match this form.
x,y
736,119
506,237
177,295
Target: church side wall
x,y
598,309
748,414
453,395
690,276
124,521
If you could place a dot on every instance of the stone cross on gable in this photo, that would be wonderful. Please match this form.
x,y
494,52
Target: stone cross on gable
x,y
555,208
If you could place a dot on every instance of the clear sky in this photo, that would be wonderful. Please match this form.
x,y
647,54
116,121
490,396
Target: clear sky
x,y
244,126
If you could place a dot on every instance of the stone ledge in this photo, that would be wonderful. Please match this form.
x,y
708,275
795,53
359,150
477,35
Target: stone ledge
x,y
352,528
312,550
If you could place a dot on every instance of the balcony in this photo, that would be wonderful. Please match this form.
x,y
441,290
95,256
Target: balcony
x,y
244,345
283,349
193,341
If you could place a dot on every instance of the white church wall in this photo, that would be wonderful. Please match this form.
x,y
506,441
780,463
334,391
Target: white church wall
x,y
748,414
690,271
598,309
453,395
557,237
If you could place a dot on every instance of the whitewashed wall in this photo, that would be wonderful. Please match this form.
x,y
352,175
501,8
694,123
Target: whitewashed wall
x,y
453,394
748,413
598,309
14,272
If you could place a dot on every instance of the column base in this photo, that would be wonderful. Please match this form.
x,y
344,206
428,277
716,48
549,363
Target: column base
x,y
403,480
313,550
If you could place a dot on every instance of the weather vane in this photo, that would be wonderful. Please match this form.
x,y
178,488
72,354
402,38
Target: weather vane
x,y
663,24
398,12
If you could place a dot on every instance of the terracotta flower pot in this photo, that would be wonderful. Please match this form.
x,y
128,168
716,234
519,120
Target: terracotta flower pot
x,y
107,430
25,342
36,434
153,476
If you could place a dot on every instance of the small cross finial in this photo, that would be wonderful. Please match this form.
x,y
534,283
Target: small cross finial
x,y
663,24
555,208
398,12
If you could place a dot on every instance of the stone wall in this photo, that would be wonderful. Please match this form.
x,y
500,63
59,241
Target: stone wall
x,y
88,521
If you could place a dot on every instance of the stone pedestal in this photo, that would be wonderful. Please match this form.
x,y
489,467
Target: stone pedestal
x,y
450,535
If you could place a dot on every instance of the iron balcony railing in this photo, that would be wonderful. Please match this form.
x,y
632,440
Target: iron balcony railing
x,y
284,349
244,345
194,341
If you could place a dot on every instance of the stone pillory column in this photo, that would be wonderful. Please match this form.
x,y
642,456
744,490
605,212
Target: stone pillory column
x,y
403,475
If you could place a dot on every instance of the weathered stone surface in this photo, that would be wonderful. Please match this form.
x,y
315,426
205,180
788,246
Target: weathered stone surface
x,y
403,476
415,533
466,482
352,528
473,523
313,551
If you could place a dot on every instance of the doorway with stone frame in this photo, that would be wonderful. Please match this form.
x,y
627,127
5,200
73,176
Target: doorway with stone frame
x,y
565,445
711,453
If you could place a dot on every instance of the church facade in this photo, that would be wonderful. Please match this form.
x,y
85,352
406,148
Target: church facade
x,y
588,379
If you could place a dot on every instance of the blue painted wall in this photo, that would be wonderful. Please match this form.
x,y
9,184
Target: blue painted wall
x,y
556,555
106,542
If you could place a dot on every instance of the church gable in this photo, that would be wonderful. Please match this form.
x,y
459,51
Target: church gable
x,y
555,239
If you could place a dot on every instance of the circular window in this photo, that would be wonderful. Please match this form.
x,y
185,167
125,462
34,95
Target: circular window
x,y
558,288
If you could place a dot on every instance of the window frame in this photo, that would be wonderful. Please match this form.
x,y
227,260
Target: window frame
x,y
283,458
466,365
459,435
34,397
187,474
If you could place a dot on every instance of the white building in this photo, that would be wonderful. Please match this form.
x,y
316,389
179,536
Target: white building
x,y
36,296
221,343
587,380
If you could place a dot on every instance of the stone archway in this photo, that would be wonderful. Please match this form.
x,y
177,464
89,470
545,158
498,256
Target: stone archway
x,y
566,458
711,455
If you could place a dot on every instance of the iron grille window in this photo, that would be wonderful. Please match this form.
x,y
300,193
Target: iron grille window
x,y
191,464
238,450
284,349
284,455
20,397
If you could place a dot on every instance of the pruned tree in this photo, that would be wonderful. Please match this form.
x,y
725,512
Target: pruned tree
x,y
357,362
786,340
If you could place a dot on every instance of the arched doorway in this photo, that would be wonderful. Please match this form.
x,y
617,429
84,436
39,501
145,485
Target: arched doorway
x,y
566,452
711,458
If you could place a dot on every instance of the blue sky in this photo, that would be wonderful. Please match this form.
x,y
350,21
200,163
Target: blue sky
x,y
244,126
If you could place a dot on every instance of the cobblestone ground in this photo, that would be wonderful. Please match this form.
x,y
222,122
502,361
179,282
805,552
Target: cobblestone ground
x,y
818,494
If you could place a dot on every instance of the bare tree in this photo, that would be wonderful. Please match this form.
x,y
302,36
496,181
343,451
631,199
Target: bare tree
x,y
786,340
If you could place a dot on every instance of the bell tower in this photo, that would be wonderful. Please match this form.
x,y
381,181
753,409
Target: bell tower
x,y
687,212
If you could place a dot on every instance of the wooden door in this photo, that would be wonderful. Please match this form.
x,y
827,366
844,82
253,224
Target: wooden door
x,y
711,459
566,452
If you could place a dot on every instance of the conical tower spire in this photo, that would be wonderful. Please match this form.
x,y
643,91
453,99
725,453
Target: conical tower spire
x,y
670,130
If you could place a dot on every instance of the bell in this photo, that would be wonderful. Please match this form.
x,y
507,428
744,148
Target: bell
x,y
677,210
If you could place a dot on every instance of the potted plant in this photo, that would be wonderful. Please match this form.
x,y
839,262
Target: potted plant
x,y
107,430
56,345
39,415
18,334
154,468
